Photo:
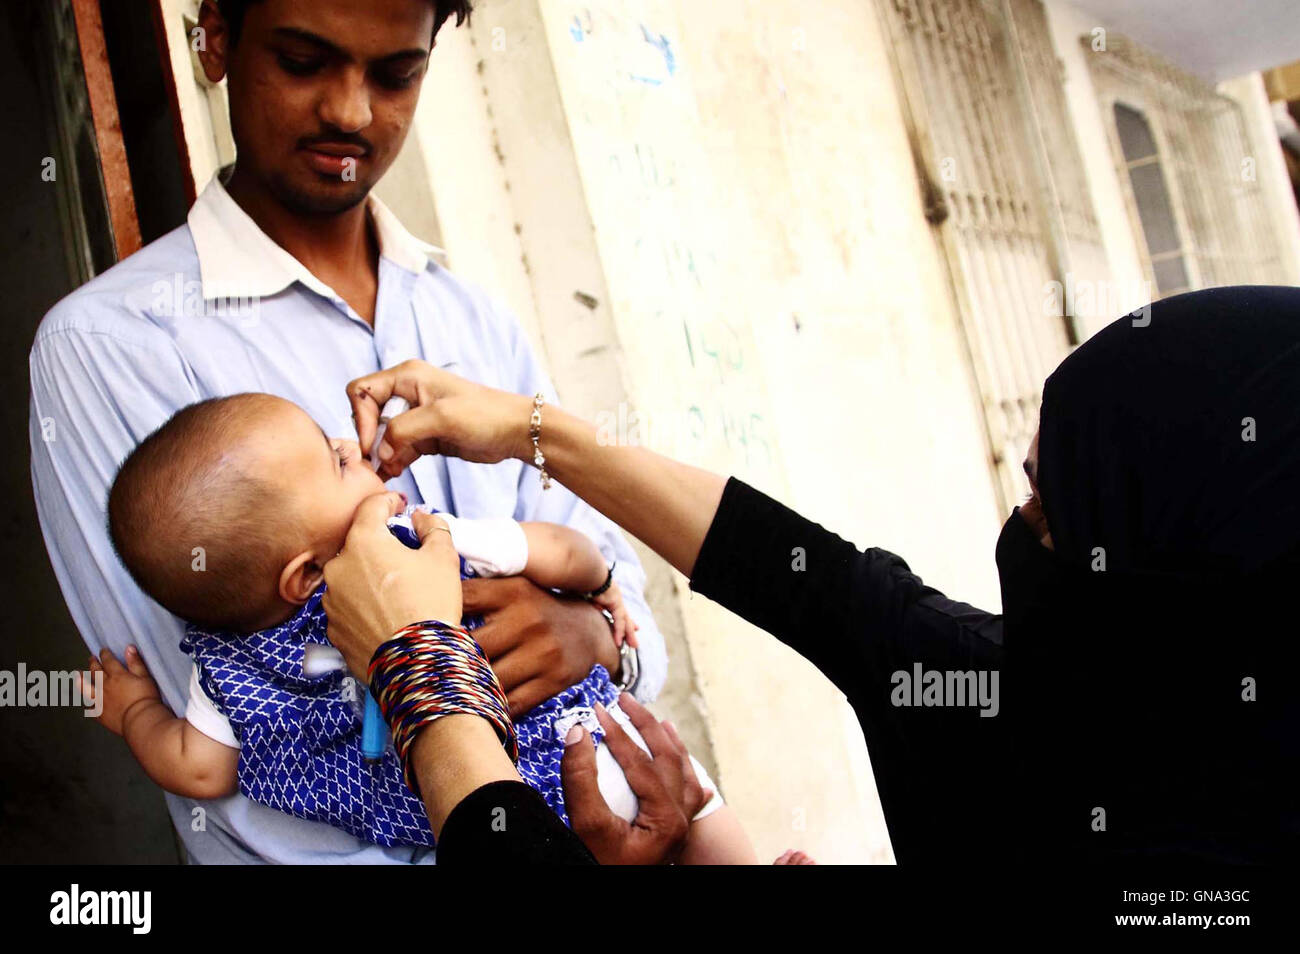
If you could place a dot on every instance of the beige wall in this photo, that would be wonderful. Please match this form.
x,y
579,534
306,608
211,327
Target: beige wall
x,y
203,115
1270,166
1068,24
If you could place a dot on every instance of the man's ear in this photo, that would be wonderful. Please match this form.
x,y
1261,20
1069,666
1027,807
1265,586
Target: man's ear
x,y
215,46
300,578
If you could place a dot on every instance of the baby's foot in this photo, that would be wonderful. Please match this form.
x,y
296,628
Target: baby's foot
x,y
794,857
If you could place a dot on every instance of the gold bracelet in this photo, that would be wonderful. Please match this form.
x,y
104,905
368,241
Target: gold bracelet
x,y
535,432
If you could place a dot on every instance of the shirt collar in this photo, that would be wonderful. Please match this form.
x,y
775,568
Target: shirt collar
x,y
238,260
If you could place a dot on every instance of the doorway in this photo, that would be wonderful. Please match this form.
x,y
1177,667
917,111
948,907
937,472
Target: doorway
x,y
70,793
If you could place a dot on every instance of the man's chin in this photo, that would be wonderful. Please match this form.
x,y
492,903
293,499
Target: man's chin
x,y
329,198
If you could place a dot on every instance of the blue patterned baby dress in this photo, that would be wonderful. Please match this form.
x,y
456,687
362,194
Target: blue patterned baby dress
x,y
300,736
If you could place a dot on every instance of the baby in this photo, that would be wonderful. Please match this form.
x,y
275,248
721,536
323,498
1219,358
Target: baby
x,y
226,515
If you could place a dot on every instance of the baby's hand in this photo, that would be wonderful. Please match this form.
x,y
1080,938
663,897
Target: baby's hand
x,y
624,628
124,686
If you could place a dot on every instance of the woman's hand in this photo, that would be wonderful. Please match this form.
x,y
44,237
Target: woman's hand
x,y
376,584
449,415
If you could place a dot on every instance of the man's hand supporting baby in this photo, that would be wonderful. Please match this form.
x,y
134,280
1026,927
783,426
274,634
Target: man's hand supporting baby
x,y
538,643
173,753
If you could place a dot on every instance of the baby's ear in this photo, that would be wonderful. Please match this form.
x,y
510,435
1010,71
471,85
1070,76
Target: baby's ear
x,y
300,578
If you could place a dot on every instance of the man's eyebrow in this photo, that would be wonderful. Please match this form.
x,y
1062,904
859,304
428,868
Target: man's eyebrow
x,y
306,36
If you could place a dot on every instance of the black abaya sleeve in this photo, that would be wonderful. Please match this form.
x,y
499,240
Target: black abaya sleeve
x,y
861,617
844,608
508,823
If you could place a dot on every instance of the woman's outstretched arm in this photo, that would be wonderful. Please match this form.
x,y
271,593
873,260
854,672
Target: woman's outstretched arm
x,y
666,504
618,481
799,581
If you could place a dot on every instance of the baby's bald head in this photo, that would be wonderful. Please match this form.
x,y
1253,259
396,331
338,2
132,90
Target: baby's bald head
x,y
198,518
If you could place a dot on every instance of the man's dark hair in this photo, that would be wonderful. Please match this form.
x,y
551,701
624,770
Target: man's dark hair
x,y
232,11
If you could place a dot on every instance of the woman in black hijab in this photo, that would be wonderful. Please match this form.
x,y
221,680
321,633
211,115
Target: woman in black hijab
x,y
1144,654
1148,655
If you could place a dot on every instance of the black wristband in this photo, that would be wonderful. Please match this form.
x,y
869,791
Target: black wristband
x,y
609,581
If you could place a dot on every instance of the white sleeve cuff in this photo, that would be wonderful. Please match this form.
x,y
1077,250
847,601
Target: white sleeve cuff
x,y
202,713
492,546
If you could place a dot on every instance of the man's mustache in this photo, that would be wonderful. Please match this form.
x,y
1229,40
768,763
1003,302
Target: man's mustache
x,y
337,139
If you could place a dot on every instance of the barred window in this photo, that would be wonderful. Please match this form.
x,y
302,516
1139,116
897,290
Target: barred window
x,y
1185,155
1151,196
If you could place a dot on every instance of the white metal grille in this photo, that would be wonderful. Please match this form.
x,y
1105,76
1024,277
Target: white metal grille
x,y
1005,190
1203,145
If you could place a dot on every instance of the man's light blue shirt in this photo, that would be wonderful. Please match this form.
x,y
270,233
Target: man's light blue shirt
x,y
216,308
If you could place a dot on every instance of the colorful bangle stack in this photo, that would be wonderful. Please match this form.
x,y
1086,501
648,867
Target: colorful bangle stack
x,y
433,669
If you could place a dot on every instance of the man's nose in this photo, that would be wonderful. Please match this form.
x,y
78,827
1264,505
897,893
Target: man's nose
x,y
346,102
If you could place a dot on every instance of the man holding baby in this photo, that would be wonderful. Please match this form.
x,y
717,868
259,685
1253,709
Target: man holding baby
x,y
322,95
